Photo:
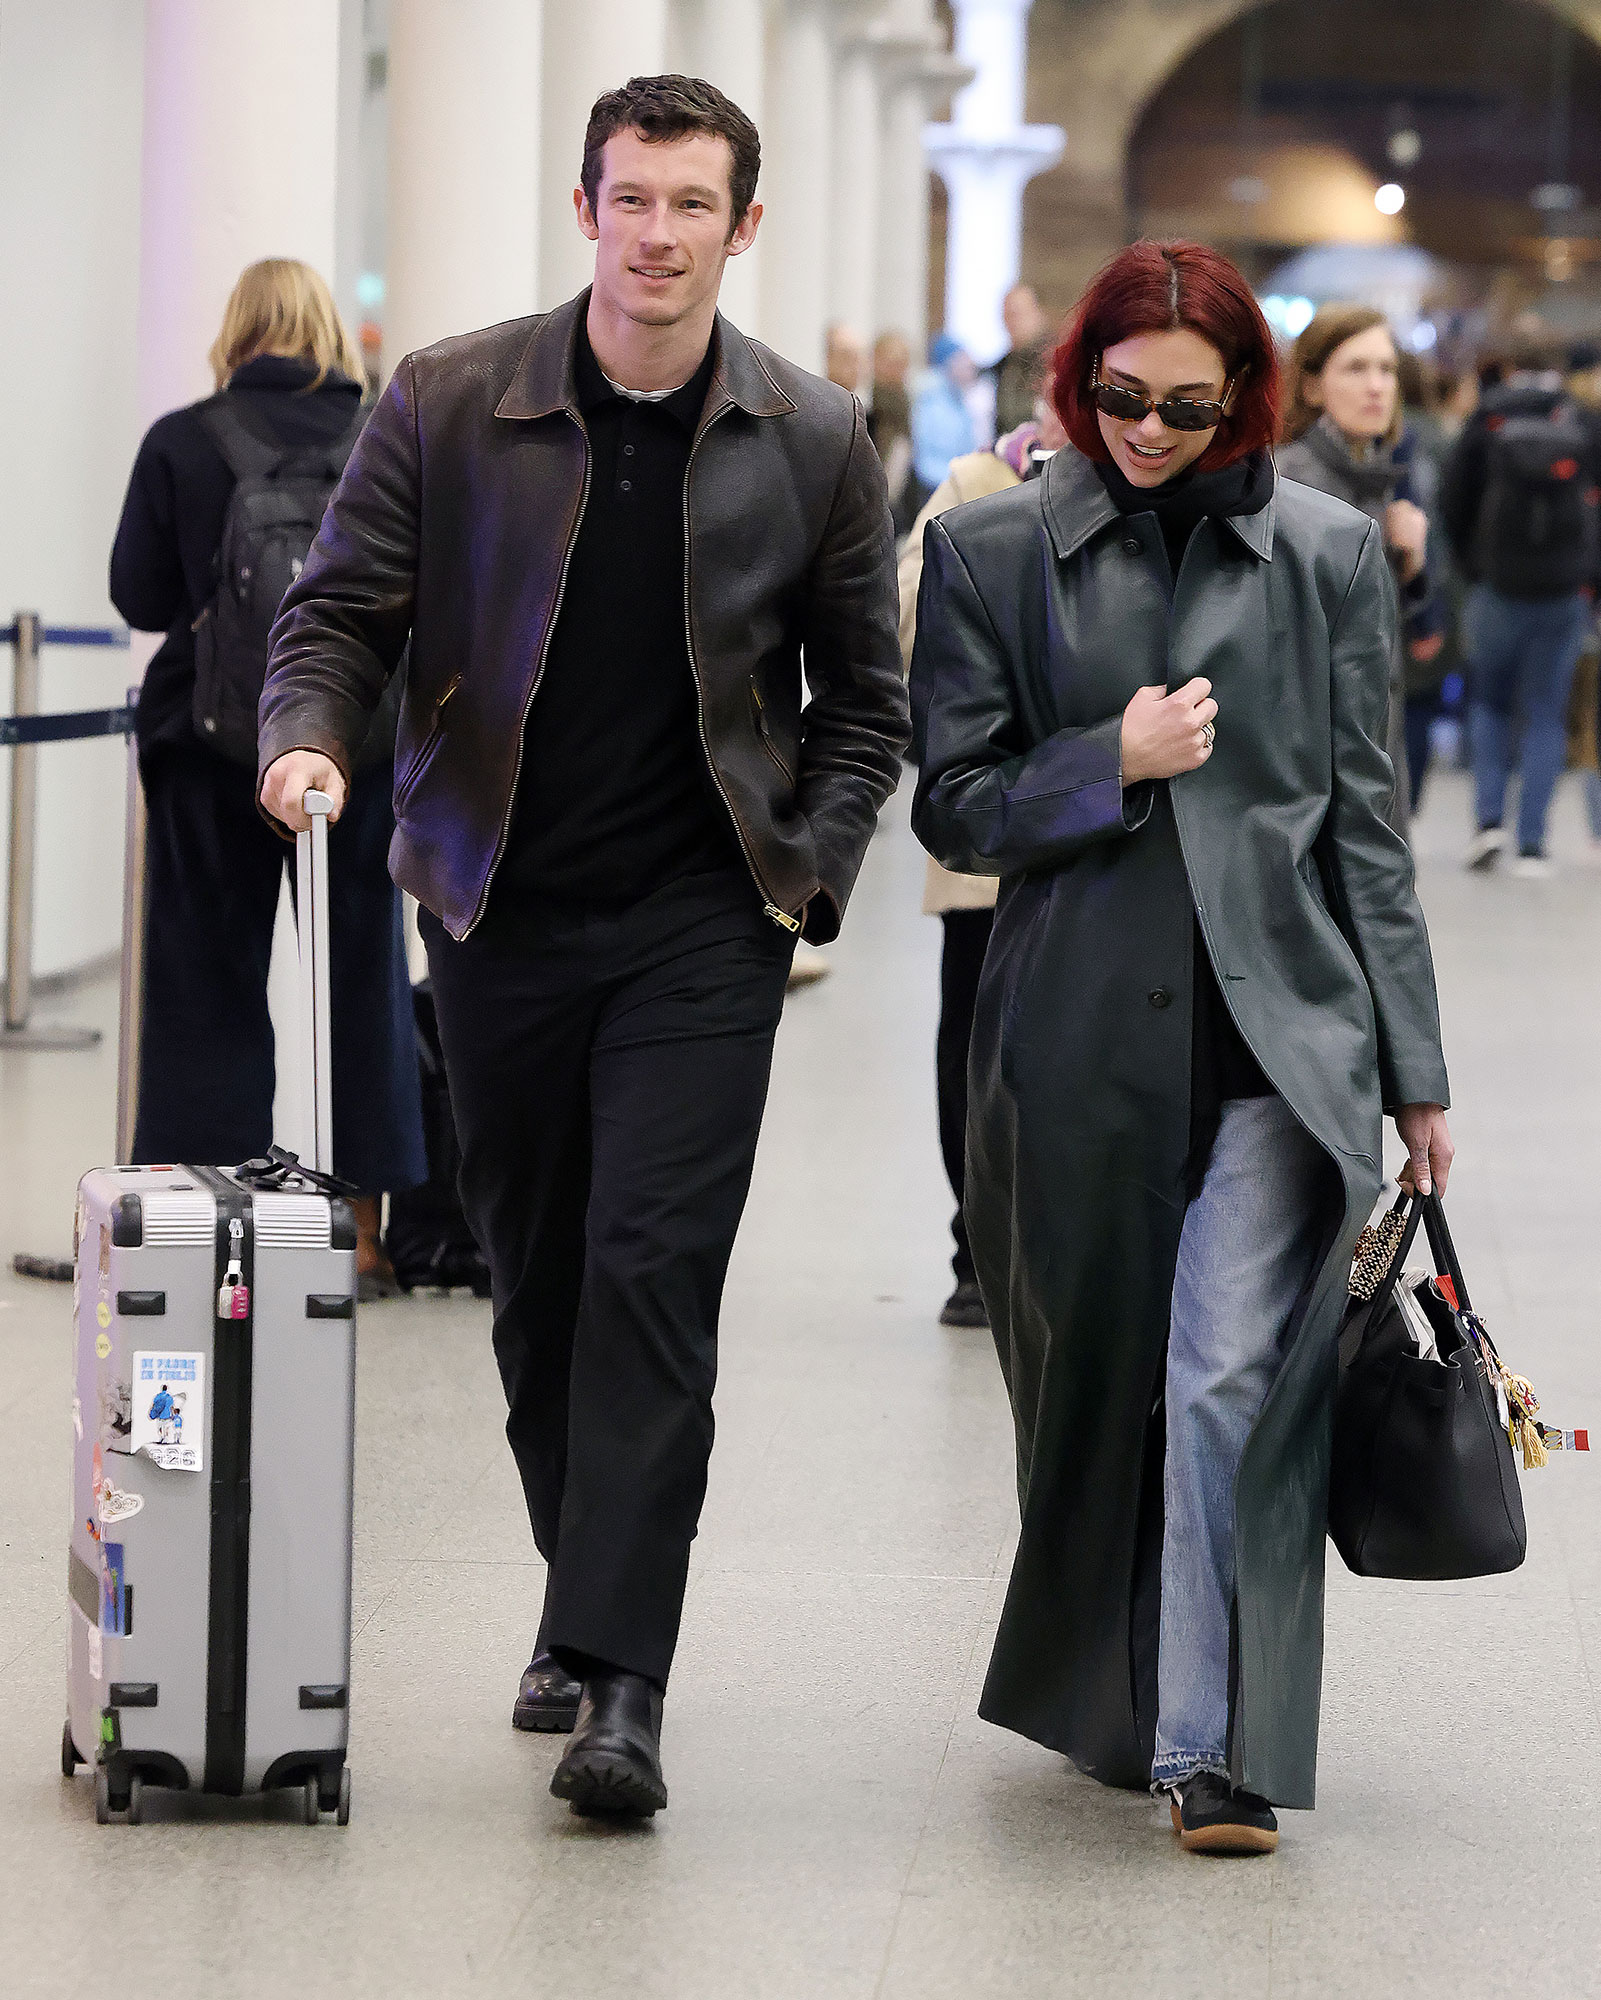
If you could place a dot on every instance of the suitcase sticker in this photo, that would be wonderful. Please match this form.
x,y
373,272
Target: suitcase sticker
x,y
169,1409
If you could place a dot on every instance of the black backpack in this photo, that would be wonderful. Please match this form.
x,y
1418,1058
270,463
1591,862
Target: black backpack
x,y
273,516
1537,527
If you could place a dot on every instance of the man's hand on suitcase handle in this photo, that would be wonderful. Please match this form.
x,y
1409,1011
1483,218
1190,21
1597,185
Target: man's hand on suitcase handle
x,y
288,780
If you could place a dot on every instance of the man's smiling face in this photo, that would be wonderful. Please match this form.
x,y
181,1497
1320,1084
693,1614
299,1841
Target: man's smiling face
x,y
662,225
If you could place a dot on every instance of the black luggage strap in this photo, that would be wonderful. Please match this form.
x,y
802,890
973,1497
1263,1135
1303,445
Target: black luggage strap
x,y
274,1172
232,1373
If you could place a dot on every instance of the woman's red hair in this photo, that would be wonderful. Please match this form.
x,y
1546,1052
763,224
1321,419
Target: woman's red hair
x,y
1151,288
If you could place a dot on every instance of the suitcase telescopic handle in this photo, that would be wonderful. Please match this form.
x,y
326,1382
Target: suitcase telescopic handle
x,y
316,1094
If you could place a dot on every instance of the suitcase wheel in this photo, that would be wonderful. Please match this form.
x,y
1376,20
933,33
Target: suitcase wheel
x,y
338,1805
133,1803
70,1760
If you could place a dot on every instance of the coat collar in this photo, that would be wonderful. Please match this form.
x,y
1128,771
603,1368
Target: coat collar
x,y
1078,506
543,383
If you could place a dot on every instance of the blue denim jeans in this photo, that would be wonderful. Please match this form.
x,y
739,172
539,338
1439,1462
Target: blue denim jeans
x,y
1523,653
1247,1250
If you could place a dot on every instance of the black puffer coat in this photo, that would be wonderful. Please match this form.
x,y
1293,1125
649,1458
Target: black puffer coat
x,y
1042,610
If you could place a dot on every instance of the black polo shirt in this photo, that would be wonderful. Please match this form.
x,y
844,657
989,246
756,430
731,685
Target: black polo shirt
x,y
615,797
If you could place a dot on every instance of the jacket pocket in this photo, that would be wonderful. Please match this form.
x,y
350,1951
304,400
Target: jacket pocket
x,y
427,750
758,709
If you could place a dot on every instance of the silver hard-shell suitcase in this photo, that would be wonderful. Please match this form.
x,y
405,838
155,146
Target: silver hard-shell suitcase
x,y
208,1625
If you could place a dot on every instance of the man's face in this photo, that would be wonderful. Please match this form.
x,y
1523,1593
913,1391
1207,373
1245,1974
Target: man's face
x,y
661,225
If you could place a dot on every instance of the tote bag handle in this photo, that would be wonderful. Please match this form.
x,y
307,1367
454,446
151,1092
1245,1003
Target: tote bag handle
x,y
1446,1262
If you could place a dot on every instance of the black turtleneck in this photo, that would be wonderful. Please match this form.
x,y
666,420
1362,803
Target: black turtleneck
x,y
1245,487
1221,1065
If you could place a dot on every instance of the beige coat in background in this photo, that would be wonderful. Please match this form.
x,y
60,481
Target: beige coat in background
x,y
969,478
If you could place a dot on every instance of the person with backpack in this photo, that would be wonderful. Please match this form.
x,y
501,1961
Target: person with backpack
x,y
223,503
1518,495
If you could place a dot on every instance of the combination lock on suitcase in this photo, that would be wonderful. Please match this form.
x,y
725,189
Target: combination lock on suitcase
x,y
208,1624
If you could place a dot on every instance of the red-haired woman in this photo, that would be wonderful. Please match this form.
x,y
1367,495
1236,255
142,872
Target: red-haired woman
x,y
1150,693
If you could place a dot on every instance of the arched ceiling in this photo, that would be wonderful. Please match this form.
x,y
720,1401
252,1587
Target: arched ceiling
x,y
1150,94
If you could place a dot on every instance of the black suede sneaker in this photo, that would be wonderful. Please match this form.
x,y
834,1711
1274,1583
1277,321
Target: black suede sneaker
x,y
1210,1816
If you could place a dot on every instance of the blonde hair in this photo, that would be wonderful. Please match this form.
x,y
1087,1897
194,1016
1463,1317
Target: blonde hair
x,y
1330,327
281,306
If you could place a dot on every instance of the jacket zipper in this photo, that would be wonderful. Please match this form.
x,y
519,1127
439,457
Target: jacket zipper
x,y
539,675
770,906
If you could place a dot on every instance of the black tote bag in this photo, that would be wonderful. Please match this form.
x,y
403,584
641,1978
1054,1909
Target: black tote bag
x,y
1423,1483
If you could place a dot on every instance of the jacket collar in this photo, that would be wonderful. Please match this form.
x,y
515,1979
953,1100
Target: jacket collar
x,y
1078,506
543,383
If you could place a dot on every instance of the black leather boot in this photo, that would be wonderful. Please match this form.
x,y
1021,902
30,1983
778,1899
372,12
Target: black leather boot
x,y
548,1696
613,1764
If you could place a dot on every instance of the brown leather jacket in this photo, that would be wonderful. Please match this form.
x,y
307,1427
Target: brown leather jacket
x,y
453,526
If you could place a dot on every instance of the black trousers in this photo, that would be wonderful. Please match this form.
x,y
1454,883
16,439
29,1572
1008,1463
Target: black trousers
x,y
608,1074
967,936
214,870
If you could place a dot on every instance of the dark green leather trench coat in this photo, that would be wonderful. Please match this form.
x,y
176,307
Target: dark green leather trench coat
x,y
1042,610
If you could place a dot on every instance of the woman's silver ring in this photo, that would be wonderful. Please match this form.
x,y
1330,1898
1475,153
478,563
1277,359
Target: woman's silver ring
x,y
1208,734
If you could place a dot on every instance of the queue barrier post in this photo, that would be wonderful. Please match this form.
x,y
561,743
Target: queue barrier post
x,y
23,731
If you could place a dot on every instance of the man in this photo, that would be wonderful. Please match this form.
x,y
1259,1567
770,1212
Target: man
x,y
1518,495
1019,375
610,534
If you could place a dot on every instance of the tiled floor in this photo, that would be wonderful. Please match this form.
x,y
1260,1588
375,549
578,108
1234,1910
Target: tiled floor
x,y
842,1824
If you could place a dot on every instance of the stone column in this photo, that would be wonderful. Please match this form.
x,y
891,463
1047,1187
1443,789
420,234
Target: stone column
x,y
918,75
985,156
799,150
725,41
241,122
589,46
858,154
464,136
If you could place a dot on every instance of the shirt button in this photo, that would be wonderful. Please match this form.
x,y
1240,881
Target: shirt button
x,y
1133,547
628,486
628,451
1159,997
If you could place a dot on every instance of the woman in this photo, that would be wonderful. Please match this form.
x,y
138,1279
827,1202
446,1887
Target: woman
x,y
1149,690
287,374
1343,434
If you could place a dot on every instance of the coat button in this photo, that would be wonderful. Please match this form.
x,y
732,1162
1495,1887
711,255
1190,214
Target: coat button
x,y
1133,547
1159,997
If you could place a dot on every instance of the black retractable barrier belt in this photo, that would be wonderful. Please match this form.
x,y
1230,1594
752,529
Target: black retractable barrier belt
x,y
232,1368
15,729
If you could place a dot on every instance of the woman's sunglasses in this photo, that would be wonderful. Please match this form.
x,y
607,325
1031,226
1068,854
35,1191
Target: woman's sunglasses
x,y
1178,413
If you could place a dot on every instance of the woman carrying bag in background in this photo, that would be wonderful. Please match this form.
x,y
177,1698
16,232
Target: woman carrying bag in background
x,y
1150,692
287,408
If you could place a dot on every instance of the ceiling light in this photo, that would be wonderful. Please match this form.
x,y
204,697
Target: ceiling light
x,y
1390,199
1556,197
